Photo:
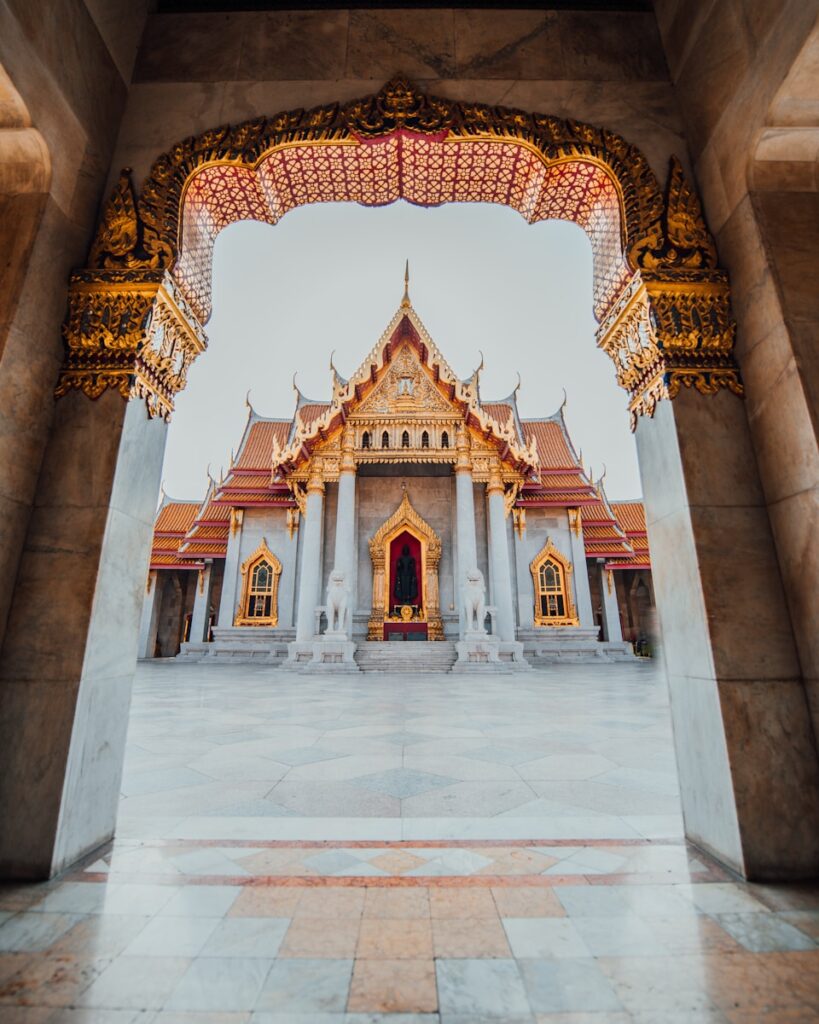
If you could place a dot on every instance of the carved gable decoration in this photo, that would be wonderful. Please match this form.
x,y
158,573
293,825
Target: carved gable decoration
x,y
404,390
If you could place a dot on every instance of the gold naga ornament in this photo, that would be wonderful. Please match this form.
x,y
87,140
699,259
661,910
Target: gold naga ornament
x,y
669,326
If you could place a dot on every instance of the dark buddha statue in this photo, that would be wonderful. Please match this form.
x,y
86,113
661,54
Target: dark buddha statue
x,y
406,579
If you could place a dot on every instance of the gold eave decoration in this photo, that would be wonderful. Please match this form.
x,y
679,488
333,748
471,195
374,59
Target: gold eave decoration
x,y
458,404
132,332
662,301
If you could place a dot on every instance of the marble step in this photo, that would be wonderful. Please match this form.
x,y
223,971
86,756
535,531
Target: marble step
x,y
420,656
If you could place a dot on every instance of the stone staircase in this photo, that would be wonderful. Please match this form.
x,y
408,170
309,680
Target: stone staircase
x,y
407,657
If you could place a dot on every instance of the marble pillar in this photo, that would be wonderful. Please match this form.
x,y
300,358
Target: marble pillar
x,y
499,560
464,518
612,629
582,591
200,618
229,601
149,619
345,545
310,559
70,651
746,753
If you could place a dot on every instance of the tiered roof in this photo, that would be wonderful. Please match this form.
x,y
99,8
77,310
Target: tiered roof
x,y
603,536
173,520
208,535
631,517
541,450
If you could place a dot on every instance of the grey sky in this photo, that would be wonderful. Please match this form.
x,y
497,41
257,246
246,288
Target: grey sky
x,y
331,276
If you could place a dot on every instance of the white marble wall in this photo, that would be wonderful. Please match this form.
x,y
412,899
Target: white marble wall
x,y
541,525
269,525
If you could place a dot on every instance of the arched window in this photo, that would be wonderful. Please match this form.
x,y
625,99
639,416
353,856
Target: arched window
x,y
260,584
445,440
385,439
405,439
365,440
425,439
551,574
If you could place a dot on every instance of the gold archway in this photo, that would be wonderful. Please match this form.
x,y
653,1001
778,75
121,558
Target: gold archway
x,y
662,303
405,518
259,604
562,612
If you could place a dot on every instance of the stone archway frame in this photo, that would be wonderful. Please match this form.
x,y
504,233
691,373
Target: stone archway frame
x,y
405,518
663,304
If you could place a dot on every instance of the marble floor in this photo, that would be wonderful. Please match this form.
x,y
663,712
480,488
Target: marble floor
x,y
298,850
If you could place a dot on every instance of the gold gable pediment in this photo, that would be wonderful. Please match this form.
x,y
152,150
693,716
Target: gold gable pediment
x,y
405,390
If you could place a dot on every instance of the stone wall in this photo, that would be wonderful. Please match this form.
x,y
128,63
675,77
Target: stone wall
x,y
745,81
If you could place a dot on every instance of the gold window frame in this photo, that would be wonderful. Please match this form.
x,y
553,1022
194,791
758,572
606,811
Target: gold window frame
x,y
550,553
243,618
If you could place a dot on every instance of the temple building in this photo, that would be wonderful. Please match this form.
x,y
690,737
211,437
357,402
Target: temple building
x,y
404,508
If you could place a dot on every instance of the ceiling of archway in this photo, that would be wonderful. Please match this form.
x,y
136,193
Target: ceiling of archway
x,y
422,169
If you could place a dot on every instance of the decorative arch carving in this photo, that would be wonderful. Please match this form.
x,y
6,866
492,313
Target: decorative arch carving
x,y
564,612
406,518
251,590
662,302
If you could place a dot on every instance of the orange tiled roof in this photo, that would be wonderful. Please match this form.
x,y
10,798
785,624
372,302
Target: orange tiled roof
x,y
173,520
501,412
553,446
311,412
631,516
603,537
257,446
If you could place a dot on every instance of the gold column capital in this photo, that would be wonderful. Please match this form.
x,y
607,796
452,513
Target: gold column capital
x,y
315,482
463,463
495,483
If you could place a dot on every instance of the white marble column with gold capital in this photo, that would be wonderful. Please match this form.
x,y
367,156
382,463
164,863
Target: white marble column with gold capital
x,y
310,557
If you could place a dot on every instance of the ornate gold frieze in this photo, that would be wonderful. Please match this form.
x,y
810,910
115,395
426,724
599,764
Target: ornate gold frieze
x,y
131,331
669,333
682,338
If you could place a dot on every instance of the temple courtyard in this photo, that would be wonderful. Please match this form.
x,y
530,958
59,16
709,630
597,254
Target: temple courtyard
x,y
328,849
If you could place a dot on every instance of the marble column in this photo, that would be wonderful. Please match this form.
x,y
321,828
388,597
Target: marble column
x,y
149,619
582,591
746,753
464,514
345,546
71,646
612,630
201,605
499,559
310,557
229,601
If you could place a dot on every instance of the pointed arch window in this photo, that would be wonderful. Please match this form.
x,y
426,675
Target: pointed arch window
x,y
425,439
405,439
445,440
365,439
551,576
385,439
260,588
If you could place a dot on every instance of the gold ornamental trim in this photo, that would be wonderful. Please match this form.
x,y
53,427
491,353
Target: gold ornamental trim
x,y
243,616
550,553
132,332
670,328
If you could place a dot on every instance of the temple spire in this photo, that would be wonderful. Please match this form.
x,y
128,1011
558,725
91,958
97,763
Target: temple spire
x,y
405,302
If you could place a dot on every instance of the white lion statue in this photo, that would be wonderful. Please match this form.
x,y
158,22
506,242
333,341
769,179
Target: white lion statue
x,y
336,602
473,601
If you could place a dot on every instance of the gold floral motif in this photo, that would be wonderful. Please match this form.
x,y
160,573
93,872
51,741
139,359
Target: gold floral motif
x,y
683,336
131,332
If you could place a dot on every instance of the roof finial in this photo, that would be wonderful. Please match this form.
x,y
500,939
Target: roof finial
x,y
517,386
405,302
163,494
563,403
247,401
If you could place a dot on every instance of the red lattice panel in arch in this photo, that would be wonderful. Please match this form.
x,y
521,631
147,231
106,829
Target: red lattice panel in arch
x,y
425,170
